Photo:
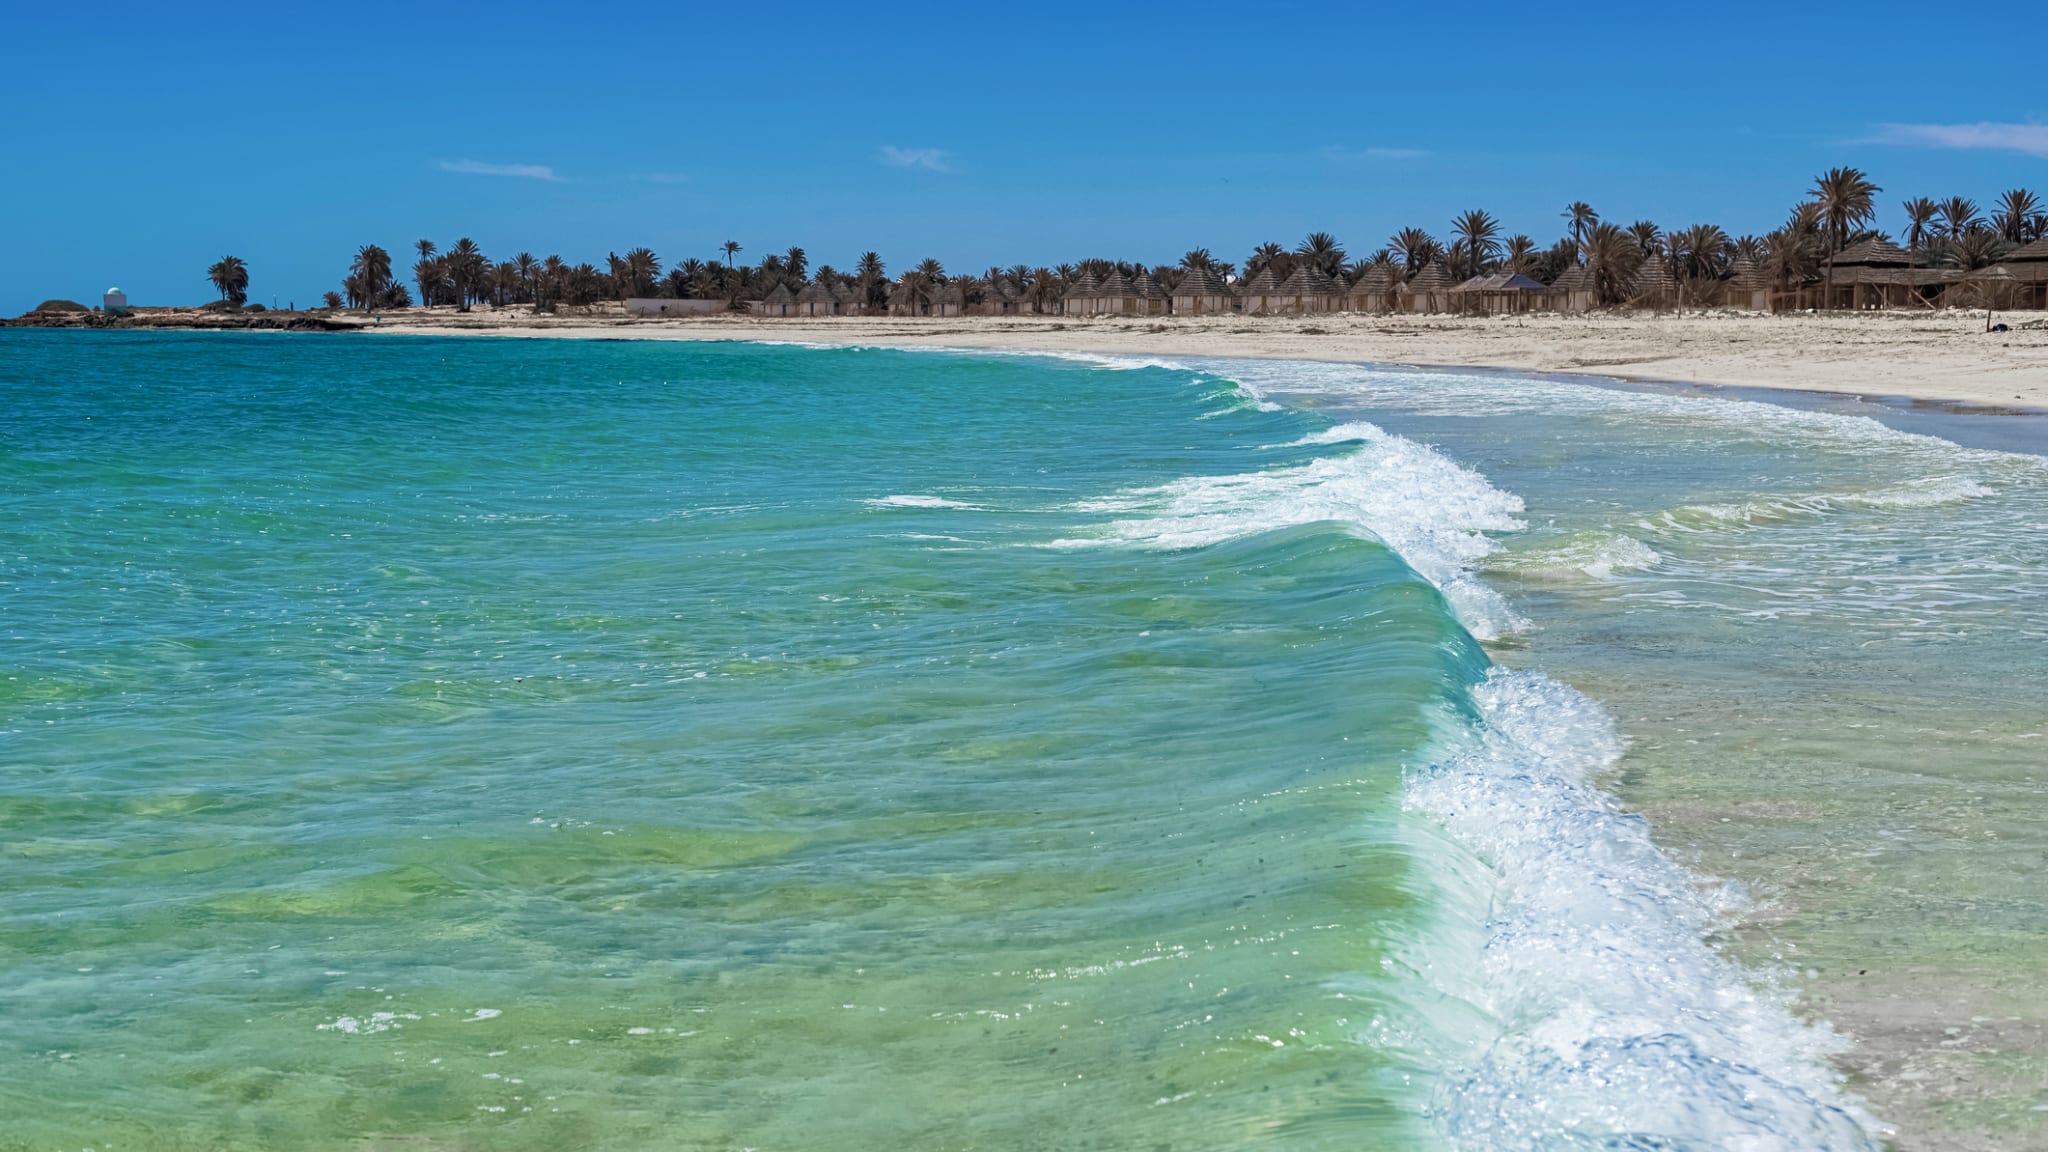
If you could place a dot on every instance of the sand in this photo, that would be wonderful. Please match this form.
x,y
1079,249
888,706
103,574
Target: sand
x,y
1929,356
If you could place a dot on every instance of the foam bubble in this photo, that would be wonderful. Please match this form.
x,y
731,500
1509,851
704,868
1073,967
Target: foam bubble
x,y
1596,554
914,501
1599,1016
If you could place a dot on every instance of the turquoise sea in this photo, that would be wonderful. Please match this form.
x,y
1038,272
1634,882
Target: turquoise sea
x,y
458,743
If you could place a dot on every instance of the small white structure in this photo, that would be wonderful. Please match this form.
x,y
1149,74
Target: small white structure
x,y
115,301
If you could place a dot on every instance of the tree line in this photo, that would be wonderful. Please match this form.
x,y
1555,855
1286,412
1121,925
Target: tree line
x,y
1838,212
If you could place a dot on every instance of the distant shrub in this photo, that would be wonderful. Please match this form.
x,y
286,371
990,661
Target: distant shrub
x,y
257,308
61,306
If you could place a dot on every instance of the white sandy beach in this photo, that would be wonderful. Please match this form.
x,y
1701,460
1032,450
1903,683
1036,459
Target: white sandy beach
x,y
1935,356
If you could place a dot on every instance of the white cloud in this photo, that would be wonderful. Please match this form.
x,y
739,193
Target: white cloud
x,y
1338,152
478,168
930,159
2031,139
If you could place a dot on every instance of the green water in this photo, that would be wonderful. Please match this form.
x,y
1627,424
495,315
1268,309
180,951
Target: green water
x,y
418,743
718,722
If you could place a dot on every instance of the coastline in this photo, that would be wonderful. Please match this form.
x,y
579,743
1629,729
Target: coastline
x,y
1936,361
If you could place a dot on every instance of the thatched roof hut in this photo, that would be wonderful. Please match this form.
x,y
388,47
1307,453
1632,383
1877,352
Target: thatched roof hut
x,y
1263,293
1874,273
908,299
1748,286
1152,299
820,298
778,300
1575,290
1874,253
1428,290
1080,297
999,299
2029,263
947,299
1652,285
1201,290
1375,289
1310,289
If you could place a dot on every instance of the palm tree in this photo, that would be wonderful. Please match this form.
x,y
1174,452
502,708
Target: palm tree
x,y
1417,248
1322,250
1480,233
1612,255
1959,216
934,273
1847,198
869,274
731,247
2014,216
1699,253
554,275
369,277
1920,214
1197,258
1265,256
432,277
1649,238
526,268
331,301
1582,218
426,249
643,268
230,276
798,262
1521,255
466,268
692,272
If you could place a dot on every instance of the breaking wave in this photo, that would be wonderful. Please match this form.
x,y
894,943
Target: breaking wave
x,y
1432,512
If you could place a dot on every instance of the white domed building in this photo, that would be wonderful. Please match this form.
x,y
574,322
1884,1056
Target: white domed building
x,y
114,302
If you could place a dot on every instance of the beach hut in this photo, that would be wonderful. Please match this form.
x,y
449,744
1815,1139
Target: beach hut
x,y
1653,286
906,300
1873,274
819,298
1262,295
1309,289
998,299
1428,290
1115,295
1377,290
1152,299
2029,268
1201,292
947,299
1575,290
777,301
1502,292
1748,287
1080,298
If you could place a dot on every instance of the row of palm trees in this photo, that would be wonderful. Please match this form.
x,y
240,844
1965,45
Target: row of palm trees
x,y
1839,211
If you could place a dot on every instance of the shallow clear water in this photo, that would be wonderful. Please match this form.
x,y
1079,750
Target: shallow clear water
x,y
631,745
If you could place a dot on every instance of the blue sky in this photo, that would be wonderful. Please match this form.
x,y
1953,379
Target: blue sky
x,y
142,142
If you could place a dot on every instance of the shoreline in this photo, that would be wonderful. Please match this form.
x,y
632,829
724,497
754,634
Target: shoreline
x,y
1907,363
1975,419
1913,365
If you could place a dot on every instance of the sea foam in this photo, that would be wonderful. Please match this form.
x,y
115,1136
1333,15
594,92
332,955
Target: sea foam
x,y
1432,512
1599,1016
